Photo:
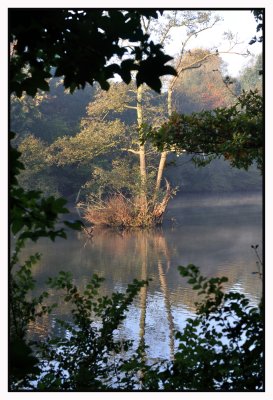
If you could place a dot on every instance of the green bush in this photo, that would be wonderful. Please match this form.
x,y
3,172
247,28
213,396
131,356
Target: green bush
x,y
220,349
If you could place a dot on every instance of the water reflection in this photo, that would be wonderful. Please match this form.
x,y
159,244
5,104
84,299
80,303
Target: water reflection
x,y
213,233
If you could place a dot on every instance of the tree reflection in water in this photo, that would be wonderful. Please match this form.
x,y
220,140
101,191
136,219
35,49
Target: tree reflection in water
x,y
159,248
213,236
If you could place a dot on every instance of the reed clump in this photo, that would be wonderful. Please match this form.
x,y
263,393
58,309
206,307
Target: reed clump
x,y
122,212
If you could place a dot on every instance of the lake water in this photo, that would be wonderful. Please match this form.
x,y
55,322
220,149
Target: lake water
x,y
212,232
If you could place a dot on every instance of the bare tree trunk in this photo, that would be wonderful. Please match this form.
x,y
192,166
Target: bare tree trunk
x,y
142,166
169,100
160,208
142,154
163,157
161,166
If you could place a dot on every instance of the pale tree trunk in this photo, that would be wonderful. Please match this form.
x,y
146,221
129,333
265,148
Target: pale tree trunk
x,y
161,167
142,154
163,158
169,100
162,164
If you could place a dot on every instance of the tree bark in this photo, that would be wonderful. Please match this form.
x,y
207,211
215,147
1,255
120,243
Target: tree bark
x,y
169,99
160,207
161,166
142,154
163,157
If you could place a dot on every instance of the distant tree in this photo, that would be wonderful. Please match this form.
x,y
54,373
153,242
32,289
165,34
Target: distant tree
x,y
37,174
25,112
251,77
203,87
49,115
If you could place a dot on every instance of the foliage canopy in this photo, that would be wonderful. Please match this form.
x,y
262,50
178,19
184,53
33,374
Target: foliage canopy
x,y
80,45
235,132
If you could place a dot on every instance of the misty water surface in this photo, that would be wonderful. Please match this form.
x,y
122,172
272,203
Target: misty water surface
x,y
212,232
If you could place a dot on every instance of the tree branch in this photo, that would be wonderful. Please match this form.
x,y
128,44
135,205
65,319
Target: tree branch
x,y
131,107
183,49
131,151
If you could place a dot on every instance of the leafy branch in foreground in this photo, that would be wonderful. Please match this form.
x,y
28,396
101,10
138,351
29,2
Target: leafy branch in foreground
x,y
222,348
80,44
259,17
24,308
31,216
88,357
236,133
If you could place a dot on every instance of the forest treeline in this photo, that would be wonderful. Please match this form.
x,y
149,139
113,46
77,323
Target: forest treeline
x,y
73,145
